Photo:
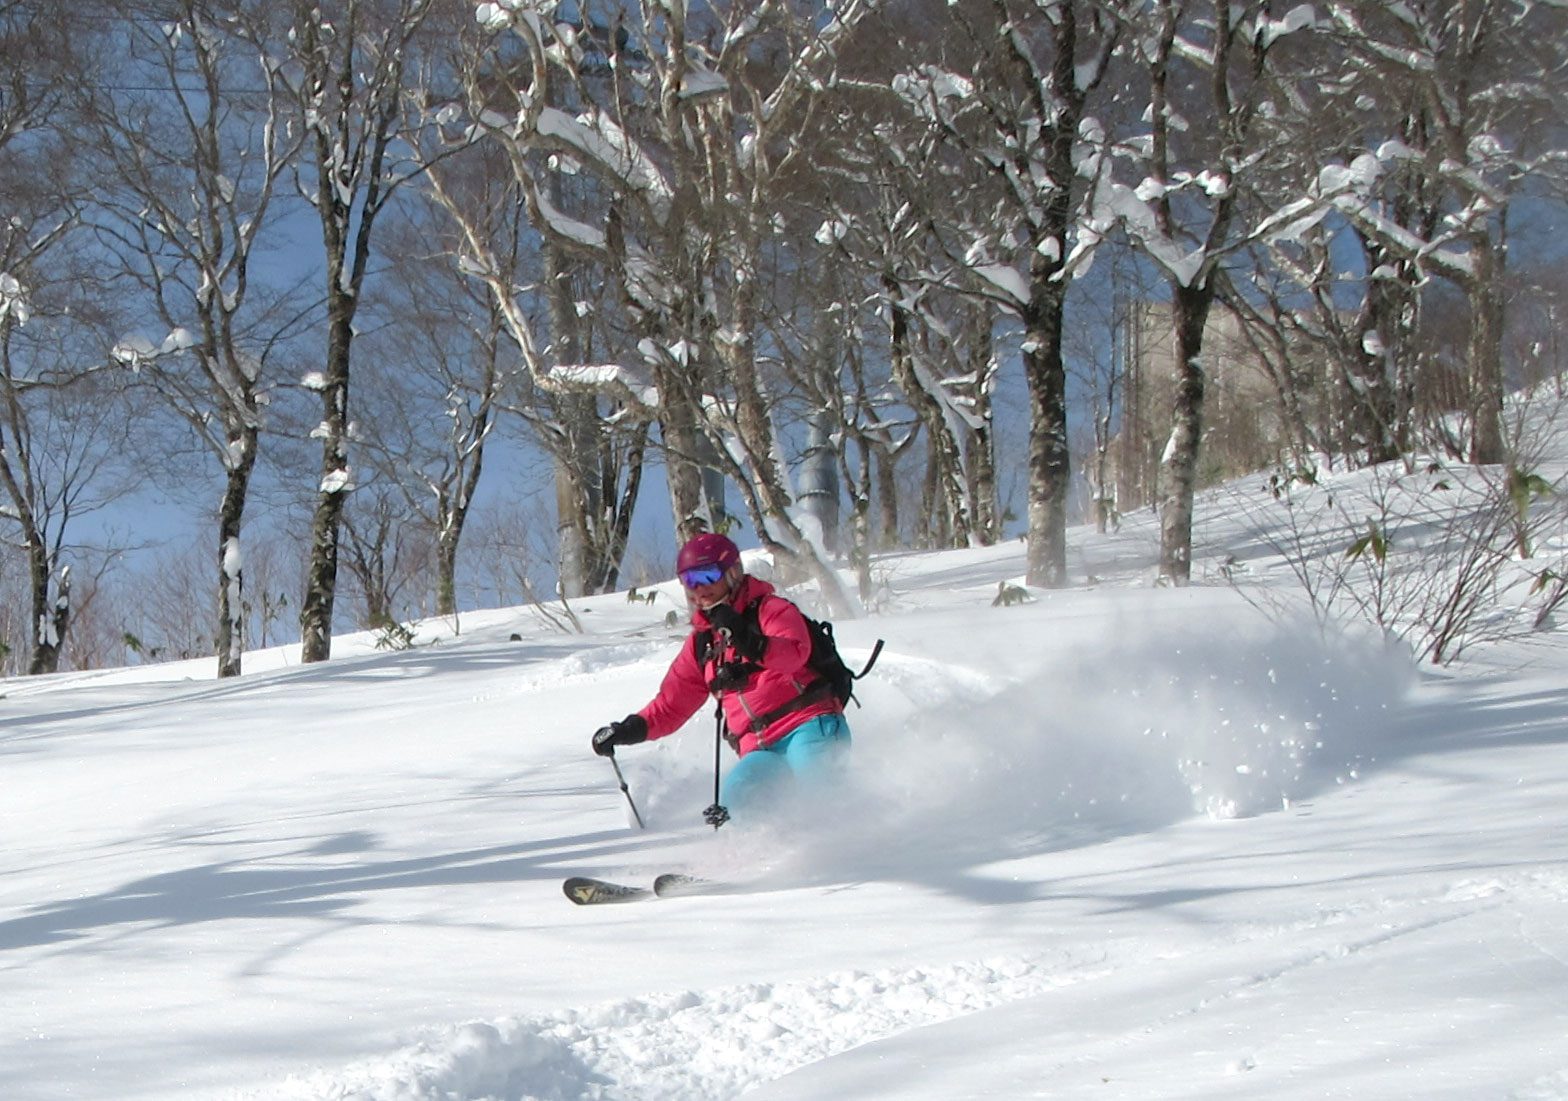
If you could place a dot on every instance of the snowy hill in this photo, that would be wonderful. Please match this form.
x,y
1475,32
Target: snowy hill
x,y
1119,841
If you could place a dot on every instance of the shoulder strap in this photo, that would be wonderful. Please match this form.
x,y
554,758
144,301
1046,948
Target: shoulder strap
x,y
818,689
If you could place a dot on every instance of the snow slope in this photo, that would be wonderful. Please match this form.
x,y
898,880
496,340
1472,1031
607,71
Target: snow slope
x,y
1120,841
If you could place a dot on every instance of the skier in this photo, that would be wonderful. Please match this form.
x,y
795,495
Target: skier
x,y
780,717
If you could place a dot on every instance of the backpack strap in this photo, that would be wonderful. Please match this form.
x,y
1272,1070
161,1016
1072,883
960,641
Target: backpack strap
x,y
706,640
814,692
872,660
702,647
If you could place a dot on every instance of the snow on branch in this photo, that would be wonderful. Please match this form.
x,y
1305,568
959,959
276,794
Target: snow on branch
x,y
599,141
13,299
1008,283
698,82
610,378
1116,202
563,225
337,481
1299,18
135,351
1415,60
928,89
1350,190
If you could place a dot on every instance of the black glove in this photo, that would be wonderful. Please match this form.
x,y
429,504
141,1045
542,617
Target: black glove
x,y
732,676
745,636
629,731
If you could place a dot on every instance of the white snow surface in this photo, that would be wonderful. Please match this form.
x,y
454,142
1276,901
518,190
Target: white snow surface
x,y
1117,842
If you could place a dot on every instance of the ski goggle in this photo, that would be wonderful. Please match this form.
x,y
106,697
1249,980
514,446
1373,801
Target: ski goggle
x,y
698,576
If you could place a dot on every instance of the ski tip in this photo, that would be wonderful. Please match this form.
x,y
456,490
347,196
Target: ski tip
x,y
592,892
675,883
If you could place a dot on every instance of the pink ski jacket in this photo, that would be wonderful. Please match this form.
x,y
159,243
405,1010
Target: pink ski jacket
x,y
782,677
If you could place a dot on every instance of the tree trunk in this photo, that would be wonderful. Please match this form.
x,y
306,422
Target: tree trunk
x,y
1381,347
860,493
887,499
231,587
1062,100
678,428
947,468
571,524
452,516
1049,463
612,535
51,616
1179,468
982,484
1487,444
576,455
980,444
325,529
819,488
352,112
446,568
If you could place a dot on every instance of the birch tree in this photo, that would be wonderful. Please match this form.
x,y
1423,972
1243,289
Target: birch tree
x,y
700,131
63,441
349,66
61,429
596,440
1480,84
1207,130
828,326
192,160
1322,287
880,232
439,378
599,443
1020,119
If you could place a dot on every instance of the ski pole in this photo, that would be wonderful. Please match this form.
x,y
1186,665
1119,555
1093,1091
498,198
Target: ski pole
x,y
717,814
626,791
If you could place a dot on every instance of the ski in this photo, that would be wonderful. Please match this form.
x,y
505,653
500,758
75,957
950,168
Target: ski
x,y
677,885
587,891
595,892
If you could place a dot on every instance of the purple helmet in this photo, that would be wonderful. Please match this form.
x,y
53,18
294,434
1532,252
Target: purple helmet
x,y
708,551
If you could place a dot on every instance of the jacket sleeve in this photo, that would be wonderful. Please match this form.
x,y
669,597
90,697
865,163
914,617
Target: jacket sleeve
x,y
789,640
680,694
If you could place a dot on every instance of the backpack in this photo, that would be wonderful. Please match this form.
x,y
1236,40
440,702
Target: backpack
x,y
825,660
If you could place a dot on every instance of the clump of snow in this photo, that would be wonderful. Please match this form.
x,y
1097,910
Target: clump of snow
x,y
679,1046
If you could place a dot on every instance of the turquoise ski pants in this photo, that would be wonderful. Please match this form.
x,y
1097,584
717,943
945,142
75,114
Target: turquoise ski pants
x,y
809,754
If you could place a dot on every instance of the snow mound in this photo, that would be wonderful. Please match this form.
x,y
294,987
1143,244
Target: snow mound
x,y
685,1046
